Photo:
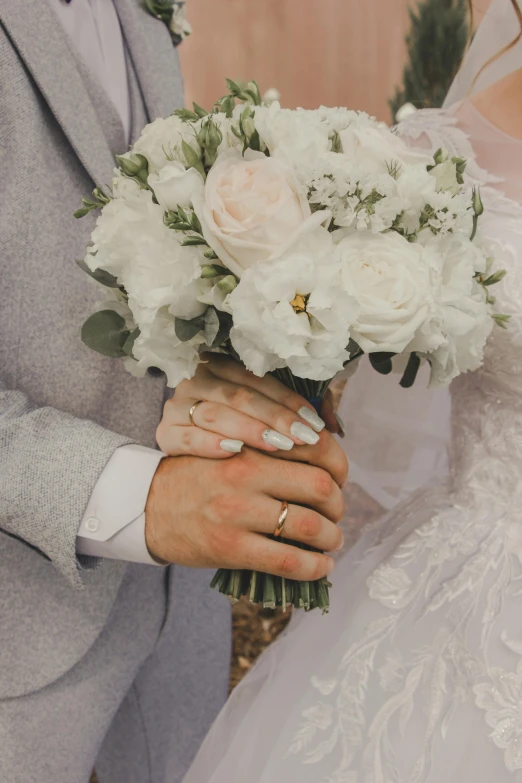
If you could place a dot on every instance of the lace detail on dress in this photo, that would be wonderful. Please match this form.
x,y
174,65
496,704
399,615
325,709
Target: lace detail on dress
x,y
444,636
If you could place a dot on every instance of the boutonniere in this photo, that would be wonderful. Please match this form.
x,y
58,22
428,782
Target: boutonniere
x,y
174,14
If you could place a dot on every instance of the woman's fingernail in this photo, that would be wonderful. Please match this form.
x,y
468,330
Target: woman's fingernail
x,y
340,422
232,446
340,545
304,433
311,418
278,440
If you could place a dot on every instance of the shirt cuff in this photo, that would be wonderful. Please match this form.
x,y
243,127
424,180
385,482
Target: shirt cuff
x,y
113,524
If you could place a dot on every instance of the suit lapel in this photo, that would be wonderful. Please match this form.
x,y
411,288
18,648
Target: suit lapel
x,y
44,47
154,58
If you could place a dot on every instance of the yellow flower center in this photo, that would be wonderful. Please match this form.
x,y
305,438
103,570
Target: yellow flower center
x,y
299,303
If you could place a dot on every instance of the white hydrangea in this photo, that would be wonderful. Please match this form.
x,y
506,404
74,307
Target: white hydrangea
x,y
294,312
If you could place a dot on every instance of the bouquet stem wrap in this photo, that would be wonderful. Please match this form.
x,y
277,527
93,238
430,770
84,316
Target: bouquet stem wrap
x,y
275,591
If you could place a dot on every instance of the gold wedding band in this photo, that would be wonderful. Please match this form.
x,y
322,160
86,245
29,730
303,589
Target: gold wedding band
x,y
191,412
282,519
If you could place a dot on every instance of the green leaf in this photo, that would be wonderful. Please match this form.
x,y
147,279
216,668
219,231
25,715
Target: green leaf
x,y
382,362
225,325
410,374
100,275
199,111
106,333
186,115
186,330
208,271
211,326
191,241
129,342
501,320
496,277
192,157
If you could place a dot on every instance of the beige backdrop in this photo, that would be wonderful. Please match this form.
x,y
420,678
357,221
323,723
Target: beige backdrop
x,y
336,52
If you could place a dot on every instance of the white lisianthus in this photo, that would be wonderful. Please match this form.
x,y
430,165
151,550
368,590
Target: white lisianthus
x,y
378,148
161,142
294,312
124,187
253,209
132,242
466,316
174,185
159,347
445,174
391,281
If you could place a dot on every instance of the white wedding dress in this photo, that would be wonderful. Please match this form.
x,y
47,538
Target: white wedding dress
x,y
416,674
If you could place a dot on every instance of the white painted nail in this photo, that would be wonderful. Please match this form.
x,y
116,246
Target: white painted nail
x,y
340,422
304,433
278,440
232,446
340,545
311,418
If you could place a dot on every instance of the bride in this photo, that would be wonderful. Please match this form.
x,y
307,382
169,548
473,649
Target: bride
x,y
416,675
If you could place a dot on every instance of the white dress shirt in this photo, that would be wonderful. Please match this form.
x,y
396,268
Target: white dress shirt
x,y
114,521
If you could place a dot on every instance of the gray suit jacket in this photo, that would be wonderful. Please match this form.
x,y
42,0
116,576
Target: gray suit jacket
x,y
63,408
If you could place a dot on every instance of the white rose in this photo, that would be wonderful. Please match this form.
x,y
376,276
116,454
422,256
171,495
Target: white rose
x,y
377,147
294,135
161,140
294,312
174,185
390,279
253,209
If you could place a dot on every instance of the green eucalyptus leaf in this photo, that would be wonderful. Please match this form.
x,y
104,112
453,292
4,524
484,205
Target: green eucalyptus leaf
x,y
382,362
186,330
211,326
225,325
129,342
106,333
100,275
410,374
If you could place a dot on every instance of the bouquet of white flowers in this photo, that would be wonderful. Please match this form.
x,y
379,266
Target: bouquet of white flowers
x,y
294,241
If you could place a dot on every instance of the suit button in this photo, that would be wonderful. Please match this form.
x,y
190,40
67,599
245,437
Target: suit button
x,y
92,525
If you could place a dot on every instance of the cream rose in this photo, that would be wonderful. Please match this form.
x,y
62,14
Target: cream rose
x,y
253,209
390,279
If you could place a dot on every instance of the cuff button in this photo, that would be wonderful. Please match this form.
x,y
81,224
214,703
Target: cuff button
x,y
92,525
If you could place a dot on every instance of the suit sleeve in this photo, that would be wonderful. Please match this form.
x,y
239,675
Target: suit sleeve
x,y
50,463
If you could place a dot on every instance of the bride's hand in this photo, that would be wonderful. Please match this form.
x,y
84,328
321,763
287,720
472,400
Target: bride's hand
x,y
237,409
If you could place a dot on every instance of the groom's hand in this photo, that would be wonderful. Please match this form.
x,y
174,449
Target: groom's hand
x,y
212,513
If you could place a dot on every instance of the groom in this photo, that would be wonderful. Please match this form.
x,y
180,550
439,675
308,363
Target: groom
x,y
106,657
